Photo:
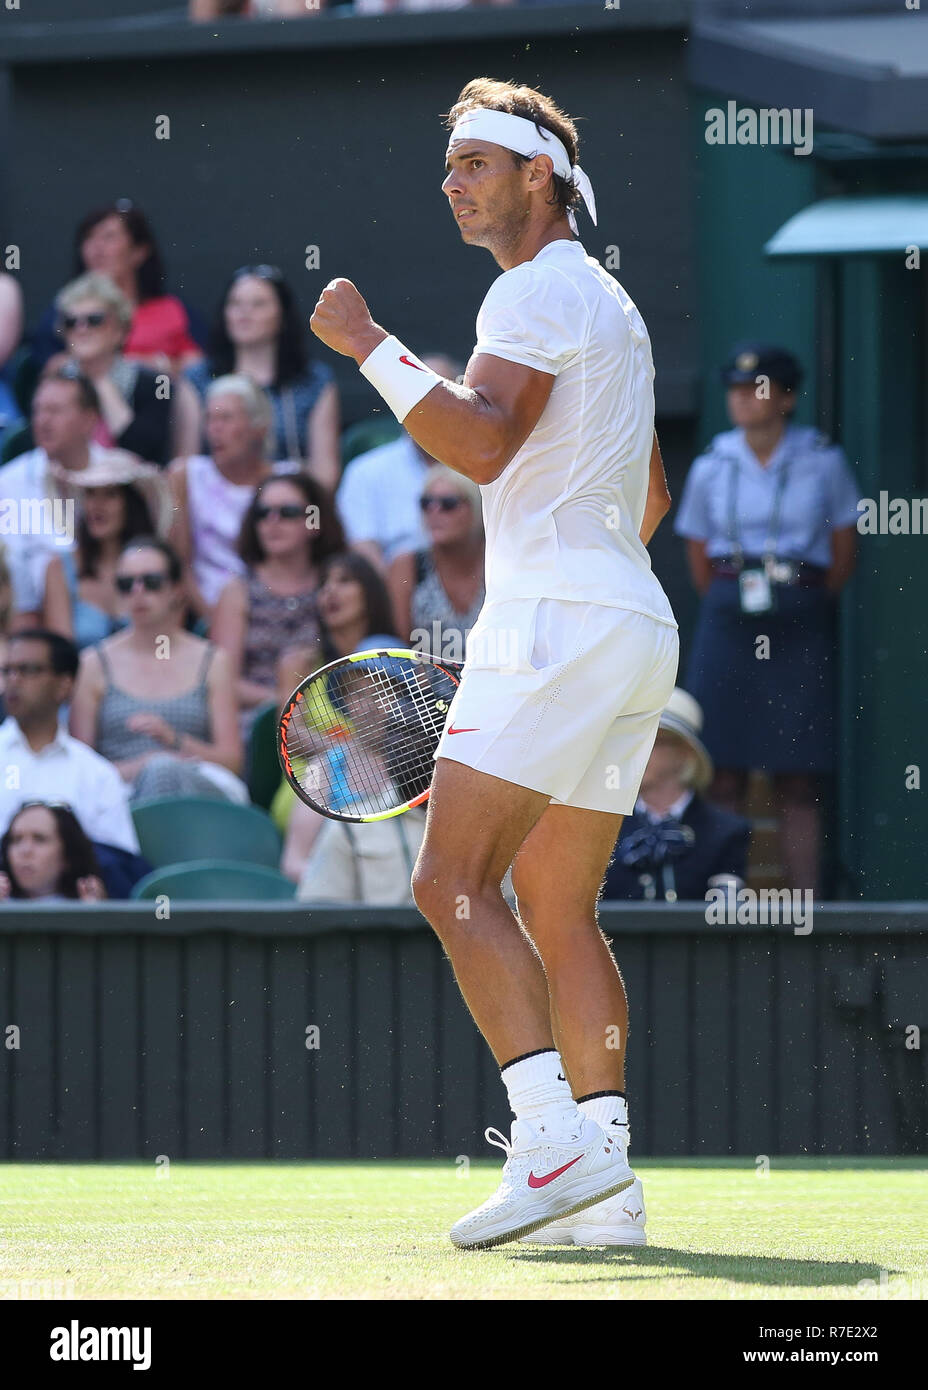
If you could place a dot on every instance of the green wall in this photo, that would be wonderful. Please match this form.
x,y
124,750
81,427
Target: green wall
x,y
743,195
870,315
882,369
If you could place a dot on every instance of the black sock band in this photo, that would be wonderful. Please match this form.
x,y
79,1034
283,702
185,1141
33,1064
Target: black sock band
x,y
539,1051
595,1095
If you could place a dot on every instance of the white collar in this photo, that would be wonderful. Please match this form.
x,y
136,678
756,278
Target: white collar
x,y
13,733
675,811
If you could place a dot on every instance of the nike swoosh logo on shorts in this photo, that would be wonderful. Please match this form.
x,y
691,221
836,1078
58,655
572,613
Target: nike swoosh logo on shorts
x,y
405,360
549,1177
463,731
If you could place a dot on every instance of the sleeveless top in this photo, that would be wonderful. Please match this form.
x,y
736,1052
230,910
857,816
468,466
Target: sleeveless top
x,y
188,713
431,605
91,624
275,622
216,508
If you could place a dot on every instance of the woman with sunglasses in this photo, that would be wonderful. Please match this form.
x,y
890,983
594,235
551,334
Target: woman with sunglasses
x,y
46,857
118,499
117,241
259,334
140,410
438,591
156,700
267,621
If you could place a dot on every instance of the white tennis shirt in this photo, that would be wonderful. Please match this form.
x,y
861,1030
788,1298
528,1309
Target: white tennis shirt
x,y
562,519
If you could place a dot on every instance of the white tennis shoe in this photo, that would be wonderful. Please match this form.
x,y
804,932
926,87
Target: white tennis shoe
x,y
545,1176
617,1221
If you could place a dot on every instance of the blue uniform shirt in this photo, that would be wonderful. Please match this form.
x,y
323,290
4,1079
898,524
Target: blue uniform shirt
x,y
820,495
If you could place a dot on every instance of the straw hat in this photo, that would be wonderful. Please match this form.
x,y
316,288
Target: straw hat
x,y
113,467
683,716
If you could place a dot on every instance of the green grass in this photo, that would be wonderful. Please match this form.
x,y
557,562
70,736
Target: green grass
x,y
811,1229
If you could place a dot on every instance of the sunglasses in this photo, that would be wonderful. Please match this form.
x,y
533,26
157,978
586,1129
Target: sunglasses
x,y
93,320
46,805
263,272
444,504
23,668
151,583
289,511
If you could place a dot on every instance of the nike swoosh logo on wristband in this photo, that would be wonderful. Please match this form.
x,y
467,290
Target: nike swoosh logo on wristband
x,y
406,362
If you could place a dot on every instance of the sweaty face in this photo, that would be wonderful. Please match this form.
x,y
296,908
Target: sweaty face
x,y
487,192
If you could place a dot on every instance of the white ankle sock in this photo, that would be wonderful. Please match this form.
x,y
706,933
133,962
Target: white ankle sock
x,y
607,1110
538,1091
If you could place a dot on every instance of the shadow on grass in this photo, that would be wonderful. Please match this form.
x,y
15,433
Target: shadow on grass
x,y
632,1263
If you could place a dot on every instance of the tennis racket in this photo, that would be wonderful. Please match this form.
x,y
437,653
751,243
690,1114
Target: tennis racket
x,y
356,738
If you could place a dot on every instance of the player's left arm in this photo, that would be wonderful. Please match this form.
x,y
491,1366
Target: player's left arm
x,y
658,502
475,428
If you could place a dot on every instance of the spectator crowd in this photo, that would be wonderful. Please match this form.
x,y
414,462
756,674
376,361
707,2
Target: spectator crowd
x,y
189,533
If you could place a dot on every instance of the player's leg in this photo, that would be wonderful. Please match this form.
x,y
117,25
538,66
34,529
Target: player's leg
x,y
557,876
475,824
559,1161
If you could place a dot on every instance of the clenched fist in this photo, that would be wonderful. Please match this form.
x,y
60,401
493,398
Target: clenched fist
x,y
342,320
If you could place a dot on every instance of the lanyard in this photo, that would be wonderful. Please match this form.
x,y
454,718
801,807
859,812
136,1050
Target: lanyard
x,y
773,528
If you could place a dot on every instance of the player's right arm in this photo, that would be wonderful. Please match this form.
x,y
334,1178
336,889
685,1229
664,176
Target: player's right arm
x,y
479,427
476,428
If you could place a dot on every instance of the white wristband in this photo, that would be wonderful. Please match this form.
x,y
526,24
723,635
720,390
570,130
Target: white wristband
x,y
398,375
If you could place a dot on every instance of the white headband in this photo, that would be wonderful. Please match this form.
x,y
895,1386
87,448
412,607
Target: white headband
x,y
524,137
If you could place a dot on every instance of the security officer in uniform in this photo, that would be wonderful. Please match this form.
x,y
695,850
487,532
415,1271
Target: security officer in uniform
x,y
769,514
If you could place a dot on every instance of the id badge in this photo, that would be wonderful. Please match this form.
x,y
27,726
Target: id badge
x,y
755,591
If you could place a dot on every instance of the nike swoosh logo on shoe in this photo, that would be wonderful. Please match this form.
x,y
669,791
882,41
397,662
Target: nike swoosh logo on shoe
x,y
549,1177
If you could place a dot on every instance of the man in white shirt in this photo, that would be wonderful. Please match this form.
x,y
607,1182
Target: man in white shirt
x,y
39,760
570,664
36,503
378,498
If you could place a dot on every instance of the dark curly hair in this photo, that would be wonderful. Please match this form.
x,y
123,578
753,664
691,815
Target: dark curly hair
x,y
517,100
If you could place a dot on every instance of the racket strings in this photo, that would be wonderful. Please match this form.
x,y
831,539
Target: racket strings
x,y
361,739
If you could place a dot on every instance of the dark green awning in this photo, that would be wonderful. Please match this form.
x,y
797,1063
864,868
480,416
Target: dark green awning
x,y
854,227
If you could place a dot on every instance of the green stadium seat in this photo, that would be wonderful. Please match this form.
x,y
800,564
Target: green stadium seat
x,y
215,880
263,764
177,829
368,434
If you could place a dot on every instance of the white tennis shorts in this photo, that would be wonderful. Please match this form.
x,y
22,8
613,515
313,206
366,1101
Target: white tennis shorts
x,y
564,698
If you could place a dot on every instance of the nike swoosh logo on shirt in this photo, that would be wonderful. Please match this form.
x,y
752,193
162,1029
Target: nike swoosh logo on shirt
x,y
464,731
549,1177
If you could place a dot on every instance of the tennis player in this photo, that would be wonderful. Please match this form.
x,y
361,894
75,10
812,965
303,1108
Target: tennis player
x,y
568,667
